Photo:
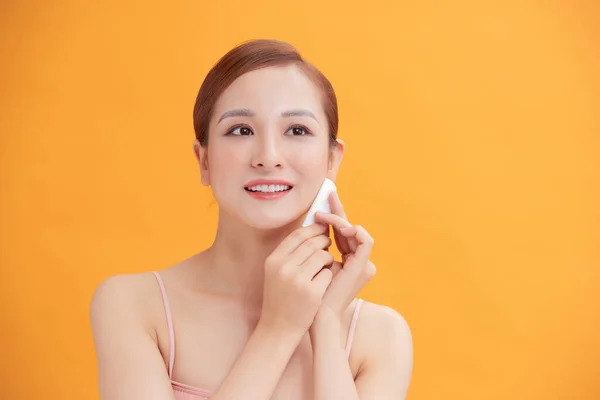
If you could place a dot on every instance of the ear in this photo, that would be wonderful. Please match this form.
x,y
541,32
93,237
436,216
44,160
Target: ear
x,y
336,153
201,154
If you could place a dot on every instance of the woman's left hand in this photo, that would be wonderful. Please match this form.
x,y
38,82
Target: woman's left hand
x,y
355,270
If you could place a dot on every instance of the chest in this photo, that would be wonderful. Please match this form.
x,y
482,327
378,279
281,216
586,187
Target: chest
x,y
208,341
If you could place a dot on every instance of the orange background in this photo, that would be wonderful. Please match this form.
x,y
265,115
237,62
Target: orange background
x,y
475,124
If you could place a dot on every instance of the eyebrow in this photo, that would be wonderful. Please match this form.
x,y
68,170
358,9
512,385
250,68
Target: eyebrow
x,y
244,112
299,113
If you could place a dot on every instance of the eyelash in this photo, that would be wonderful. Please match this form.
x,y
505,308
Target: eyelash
x,y
233,128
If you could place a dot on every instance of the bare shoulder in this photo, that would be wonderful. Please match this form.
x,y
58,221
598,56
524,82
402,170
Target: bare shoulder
x,y
385,324
385,350
130,364
121,294
133,298
126,304
115,288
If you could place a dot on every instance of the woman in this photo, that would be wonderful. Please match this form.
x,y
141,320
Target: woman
x,y
265,312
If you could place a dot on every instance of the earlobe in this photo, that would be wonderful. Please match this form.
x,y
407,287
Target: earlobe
x,y
201,154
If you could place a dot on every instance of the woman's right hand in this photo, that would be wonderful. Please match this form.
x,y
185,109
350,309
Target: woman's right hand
x,y
296,280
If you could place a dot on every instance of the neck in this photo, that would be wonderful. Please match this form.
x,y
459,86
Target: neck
x,y
237,257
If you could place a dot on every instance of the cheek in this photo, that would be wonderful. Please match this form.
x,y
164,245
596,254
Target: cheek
x,y
224,157
312,158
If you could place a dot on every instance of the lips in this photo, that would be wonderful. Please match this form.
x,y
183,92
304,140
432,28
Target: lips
x,y
268,189
268,186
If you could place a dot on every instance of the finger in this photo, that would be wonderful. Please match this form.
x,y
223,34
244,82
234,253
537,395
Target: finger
x,y
328,234
365,245
335,267
308,248
343,227
348,231
370,270
336,222
316,262
299,236
336,205
350,234
323,279
332,219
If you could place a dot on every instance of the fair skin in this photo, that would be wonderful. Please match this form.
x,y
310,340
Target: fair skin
x,y
264,312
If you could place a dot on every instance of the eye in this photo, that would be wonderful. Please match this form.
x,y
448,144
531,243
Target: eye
x,y
298,131
240,131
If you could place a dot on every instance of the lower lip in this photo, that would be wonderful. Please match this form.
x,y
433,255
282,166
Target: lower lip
x,y
268,196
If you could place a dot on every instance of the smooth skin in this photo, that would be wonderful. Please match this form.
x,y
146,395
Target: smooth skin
x,y
264,312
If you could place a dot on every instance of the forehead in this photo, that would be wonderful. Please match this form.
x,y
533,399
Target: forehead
x,y
271,89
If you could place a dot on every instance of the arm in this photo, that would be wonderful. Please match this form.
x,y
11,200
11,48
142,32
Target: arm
x,y
257,371
130,365
331,371
386,370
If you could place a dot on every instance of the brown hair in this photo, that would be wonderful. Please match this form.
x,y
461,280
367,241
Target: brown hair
x,y
250,56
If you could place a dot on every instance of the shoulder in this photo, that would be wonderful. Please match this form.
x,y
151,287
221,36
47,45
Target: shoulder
x,y
384,326
123,314
123,297
384,340
121,290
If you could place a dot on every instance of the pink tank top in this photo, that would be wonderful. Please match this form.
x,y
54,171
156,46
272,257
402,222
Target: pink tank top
x,y
187,392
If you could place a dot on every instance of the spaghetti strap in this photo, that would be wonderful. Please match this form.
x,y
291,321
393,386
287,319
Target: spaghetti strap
x,y
350,338
165,300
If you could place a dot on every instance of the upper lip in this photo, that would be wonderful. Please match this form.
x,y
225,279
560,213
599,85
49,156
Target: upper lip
x,y
268,182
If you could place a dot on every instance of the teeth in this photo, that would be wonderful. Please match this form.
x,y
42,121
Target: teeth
x,y
268,188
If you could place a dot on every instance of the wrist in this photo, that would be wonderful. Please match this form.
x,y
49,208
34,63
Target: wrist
x,y
284,333
326,329
327,317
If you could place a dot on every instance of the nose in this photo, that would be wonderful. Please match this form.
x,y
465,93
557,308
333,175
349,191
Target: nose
x,y
266,152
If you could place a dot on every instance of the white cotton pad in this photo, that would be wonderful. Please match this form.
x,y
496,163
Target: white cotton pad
x,y
321,202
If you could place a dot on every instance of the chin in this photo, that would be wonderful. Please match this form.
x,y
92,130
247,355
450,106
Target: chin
x,y
268,223
266,215
266,219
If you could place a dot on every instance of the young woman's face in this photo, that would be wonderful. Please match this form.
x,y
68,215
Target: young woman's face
x,y
268,150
